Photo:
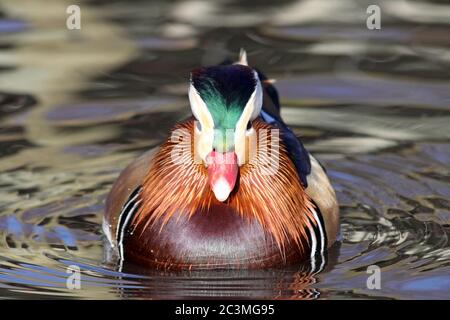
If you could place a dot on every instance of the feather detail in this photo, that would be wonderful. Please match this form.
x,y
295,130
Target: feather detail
x,y
269,81
276,200
242,57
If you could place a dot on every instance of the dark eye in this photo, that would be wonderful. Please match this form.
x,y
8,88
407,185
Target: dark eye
x,y
199,126
249,125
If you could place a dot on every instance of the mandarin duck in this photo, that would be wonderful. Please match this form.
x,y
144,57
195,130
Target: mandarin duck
x,y
231,187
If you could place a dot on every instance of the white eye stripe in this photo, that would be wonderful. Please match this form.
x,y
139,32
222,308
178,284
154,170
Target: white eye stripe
x,y
251,111
204,129
257,103
199,109
253,107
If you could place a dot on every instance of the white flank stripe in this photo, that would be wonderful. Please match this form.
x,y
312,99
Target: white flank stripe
x,y
322,238
122,212
122,232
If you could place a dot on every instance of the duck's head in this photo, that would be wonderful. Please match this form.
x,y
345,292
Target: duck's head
x,y
224,100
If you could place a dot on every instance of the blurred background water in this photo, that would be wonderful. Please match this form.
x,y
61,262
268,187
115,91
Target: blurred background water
x,y
76,106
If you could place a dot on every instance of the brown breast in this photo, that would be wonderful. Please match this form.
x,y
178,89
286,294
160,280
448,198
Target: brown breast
x,y
180,224
216,238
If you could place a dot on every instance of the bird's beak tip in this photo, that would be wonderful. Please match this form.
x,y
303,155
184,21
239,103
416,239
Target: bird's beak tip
x,y
222,174
222,190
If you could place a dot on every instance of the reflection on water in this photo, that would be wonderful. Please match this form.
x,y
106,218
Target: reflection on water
x,y
77,106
